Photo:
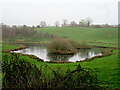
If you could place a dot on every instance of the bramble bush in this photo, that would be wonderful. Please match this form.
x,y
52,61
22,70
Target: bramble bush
x,y
19,73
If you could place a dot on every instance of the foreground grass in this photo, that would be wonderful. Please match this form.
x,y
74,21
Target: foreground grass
x,y
106,67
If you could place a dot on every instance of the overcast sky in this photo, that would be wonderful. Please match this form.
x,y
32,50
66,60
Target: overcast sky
x,y
31,12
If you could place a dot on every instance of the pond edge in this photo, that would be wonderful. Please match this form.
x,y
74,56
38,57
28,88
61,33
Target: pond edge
x,y
21,46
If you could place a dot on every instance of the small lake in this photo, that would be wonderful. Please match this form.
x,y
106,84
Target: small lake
x,y
42,53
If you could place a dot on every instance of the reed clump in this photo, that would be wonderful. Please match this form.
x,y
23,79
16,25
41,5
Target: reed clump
x,y
62,46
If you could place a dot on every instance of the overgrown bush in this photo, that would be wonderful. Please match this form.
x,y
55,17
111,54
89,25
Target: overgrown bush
x,y
60,44
73,43
18,73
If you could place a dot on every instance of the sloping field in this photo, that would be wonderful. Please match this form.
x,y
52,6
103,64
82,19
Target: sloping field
x,y
109,35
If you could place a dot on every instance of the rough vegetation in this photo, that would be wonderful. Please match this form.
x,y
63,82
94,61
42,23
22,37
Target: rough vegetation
x,y
21,33
18,73
62,46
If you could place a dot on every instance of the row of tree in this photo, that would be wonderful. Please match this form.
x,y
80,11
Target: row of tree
x,y
82,23
65,23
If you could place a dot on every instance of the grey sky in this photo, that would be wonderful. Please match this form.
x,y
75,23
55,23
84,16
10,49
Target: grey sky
x,y
31,12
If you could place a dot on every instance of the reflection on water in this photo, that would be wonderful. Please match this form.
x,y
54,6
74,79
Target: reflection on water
x,y
64,58
42,53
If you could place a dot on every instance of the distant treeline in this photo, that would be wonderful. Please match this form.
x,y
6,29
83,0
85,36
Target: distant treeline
x,y
87,22
26,32
92,25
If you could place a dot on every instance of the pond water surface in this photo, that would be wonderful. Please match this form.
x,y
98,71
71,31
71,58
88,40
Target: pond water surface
x,y
42,53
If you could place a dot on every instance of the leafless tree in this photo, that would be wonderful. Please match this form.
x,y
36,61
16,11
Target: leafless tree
x,y
57,24
43,24
82,23
73,23
49,25
88,21
65,22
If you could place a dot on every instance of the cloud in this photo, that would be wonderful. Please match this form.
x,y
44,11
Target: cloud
x,y
31,13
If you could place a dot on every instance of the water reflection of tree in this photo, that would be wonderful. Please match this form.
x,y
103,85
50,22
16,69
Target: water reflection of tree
x,y
32,49
83,53
54,57
97,50
86,53
24,51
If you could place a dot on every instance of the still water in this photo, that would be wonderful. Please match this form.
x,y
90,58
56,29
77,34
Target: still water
x,y
42,53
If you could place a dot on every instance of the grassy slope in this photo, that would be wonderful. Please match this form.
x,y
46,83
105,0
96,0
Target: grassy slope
x,y
83,33
108,35
107,67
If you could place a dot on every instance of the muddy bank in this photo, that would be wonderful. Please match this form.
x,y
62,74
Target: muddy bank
x,y
59,52
104,53
104,47
57,62
103,42
31,56
26,43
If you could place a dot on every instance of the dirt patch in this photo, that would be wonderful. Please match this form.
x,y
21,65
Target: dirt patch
x,y
103,43
59,52
57,62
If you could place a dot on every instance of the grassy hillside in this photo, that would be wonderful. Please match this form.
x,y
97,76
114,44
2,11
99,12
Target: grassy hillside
x,y
83,33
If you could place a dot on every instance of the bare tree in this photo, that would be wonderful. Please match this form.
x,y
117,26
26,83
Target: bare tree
x,y
49,25
73,23
38,26
65,22
88,21
57,24
43,24
82,23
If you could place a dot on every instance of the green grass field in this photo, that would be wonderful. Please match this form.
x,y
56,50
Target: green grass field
x,y
102,35
106,67
82,33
